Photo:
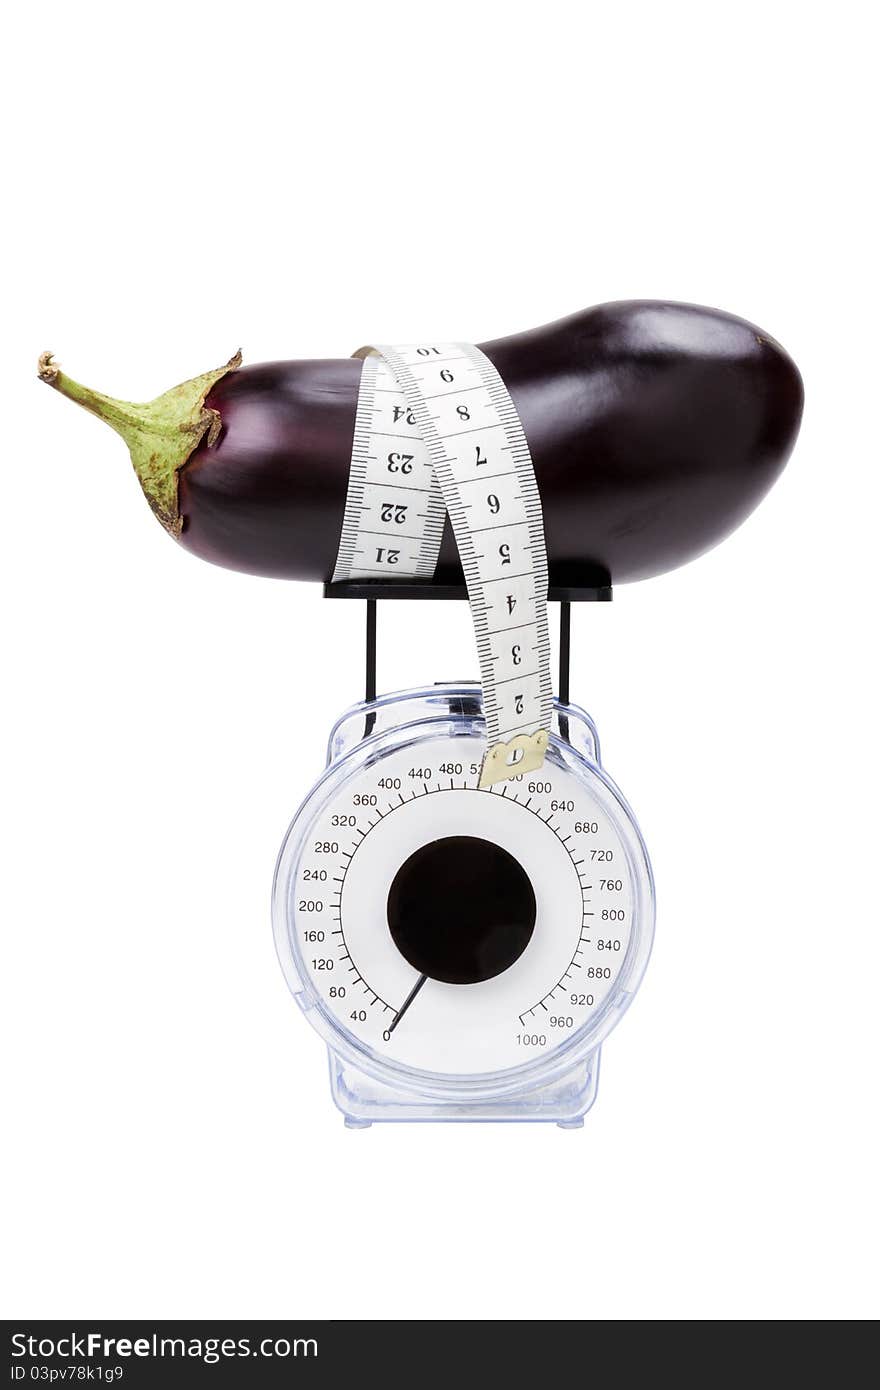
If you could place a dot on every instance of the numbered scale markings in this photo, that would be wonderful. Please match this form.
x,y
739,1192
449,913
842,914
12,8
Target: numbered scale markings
x,y
460,931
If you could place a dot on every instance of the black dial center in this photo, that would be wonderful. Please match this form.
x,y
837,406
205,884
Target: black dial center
x,y
461,910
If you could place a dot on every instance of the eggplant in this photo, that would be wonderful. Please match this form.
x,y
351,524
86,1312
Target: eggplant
x,y
655,428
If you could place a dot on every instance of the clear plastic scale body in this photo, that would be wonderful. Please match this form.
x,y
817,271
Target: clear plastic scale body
x,y
463,952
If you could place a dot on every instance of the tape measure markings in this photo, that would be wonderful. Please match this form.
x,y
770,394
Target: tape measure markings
x,y
443,457
365,510
450,458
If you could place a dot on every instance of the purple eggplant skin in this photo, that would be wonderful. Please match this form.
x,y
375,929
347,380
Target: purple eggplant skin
x,y
655,428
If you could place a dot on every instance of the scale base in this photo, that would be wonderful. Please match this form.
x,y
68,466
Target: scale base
x,y
364,1102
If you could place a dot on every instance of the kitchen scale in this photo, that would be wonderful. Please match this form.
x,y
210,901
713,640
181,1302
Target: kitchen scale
x,y
463,906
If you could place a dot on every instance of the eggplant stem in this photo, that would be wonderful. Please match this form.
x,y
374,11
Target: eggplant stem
x,y
161,434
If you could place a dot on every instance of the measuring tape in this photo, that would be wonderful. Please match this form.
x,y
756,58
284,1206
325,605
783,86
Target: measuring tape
x,y
437,432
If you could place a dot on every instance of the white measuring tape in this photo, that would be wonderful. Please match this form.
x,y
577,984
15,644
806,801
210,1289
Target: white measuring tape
x,y
437,432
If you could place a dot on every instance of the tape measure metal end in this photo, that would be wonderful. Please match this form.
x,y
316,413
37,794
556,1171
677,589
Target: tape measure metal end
x,y
524,753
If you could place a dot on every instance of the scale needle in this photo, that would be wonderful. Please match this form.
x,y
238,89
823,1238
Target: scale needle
x,y
406,1003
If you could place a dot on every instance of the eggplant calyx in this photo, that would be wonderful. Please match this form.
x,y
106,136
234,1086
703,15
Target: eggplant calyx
x,y
161,434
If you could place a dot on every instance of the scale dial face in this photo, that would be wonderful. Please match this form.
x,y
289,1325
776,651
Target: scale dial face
x,y
442,929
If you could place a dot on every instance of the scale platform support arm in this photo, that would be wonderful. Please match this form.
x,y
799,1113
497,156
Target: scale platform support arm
x,y
596,589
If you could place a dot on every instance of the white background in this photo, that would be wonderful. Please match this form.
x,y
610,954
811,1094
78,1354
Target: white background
x,y
184,179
